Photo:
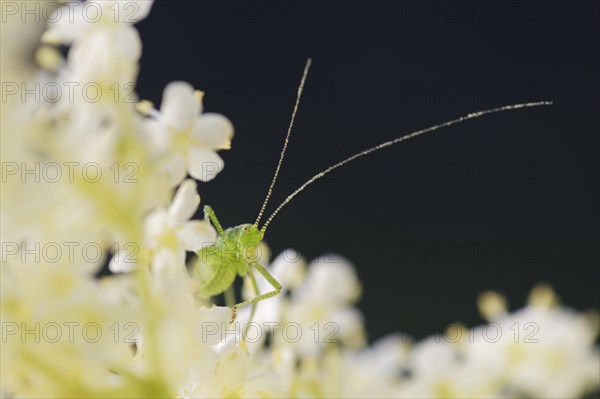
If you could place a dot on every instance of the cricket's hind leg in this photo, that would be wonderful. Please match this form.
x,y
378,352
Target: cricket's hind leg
x,y
261,297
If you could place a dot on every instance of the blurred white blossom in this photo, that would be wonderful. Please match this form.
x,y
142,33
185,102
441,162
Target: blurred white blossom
x,y
72,329
169,233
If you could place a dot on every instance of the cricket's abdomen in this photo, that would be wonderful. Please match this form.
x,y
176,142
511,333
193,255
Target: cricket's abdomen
x,y
216,268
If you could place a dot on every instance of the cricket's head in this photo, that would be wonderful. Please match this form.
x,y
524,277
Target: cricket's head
x,y
248,236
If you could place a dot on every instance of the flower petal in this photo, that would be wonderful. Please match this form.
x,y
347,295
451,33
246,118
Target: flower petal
x,y
332,280
179,106
204,164
123,261
196,234
213,131
155,224
174,169
185,202
289,268
156,135
66,25
126,11
109,55
142,11
211,323
166,261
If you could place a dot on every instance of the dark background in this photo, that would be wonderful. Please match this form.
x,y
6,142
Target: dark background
x,y
502,202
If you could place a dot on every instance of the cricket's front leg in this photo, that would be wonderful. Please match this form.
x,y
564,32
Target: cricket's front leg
x,y
210,214
261,297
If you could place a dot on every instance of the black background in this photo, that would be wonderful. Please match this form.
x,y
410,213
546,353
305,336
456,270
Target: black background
x,y
528,182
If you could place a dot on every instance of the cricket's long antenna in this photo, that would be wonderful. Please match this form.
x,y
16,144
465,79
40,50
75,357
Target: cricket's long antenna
x,y
395,141
287,138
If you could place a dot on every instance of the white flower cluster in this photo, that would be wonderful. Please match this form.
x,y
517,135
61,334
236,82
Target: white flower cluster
x,y
93,176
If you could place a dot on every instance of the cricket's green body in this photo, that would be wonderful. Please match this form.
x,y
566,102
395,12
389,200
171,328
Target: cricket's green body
x,y
233,254
227,257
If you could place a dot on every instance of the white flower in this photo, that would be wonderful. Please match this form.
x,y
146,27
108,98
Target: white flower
x,y
331,279
371,372
105,47
37,295
539,351
75,20
326,297
108,58
321,307
189,138
170,232
235,375
544,350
